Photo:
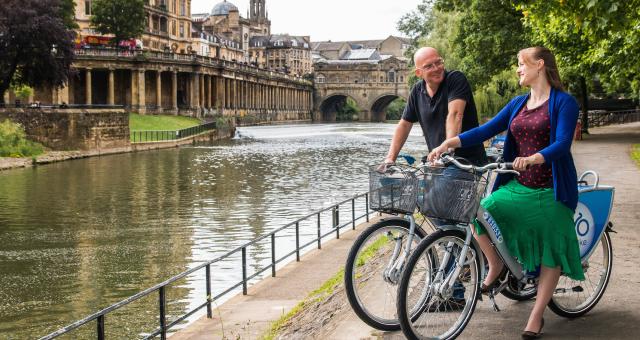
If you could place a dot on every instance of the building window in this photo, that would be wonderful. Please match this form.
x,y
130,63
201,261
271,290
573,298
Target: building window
x,y
87,7
391,76
183,9
181,30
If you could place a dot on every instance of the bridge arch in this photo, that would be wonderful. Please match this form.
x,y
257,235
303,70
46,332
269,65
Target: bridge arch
x,y
380,104
331,104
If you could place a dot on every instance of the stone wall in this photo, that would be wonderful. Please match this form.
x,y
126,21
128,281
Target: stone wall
x,y
73,129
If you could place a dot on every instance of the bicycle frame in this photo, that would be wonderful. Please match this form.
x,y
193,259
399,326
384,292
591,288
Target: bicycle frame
x,y
591,219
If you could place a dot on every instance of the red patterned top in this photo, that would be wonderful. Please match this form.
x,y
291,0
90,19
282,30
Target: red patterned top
x,y
531,129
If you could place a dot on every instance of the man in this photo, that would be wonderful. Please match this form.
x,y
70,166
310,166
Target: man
x,y
442,102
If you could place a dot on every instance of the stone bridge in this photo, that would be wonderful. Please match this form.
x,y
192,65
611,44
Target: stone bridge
x,y
373,85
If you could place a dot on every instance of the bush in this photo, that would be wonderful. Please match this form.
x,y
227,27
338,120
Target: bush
x,y
14,143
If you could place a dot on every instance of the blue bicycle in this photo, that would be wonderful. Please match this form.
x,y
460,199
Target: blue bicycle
x,y
426,287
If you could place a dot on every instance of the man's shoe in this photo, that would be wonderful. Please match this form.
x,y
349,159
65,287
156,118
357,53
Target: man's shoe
x,y
450,305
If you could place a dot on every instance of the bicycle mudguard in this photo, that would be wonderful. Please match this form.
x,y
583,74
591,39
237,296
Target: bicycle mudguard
x,y
592,215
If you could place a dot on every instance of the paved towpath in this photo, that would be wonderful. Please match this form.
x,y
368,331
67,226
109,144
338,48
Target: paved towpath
x,y
617,316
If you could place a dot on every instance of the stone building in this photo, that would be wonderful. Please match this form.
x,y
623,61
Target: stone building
x,y
167,24
282,52
225,22
391,46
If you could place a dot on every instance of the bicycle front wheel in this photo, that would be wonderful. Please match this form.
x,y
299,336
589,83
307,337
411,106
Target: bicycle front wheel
x,y
573,298
370,277
427,307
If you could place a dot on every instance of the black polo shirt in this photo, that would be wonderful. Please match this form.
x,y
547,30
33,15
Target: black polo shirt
x,y
432,112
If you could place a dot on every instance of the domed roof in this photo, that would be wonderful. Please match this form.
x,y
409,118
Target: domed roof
x,y
223,8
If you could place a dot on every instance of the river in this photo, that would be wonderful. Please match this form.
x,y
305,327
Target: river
x,y
80,235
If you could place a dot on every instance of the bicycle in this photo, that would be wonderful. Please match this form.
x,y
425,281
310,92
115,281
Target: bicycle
x,y
426,282
376,259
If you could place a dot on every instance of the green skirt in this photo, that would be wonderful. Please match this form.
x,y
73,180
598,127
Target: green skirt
x,y
537,229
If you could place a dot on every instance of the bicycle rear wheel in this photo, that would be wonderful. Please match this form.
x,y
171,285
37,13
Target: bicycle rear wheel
x,y
370,288
575,298
425,310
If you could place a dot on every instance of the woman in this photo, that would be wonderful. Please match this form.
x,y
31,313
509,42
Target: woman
x,y
535,209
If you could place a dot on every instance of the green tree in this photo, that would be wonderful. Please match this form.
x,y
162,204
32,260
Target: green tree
x,y
416,24
124,19
590,38
395,109
490,34
68,13
346,110
36,49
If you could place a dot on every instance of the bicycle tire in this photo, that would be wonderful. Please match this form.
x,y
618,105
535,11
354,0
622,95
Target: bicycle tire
x,y
429,247
561,305
361,306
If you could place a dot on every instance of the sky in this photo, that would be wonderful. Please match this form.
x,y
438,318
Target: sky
x,y
335,20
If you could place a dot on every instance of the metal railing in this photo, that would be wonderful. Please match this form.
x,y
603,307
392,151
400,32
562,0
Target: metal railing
x,y
208,299
143,136
602,118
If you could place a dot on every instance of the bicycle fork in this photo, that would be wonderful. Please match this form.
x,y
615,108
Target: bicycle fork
x,y
444,285
398,258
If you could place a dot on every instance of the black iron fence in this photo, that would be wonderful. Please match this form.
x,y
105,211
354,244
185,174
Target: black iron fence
x,y
602,118
348,205
168,135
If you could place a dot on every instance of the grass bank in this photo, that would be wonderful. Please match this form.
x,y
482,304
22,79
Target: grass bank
x,y
635,153
154,123
317,295
14,142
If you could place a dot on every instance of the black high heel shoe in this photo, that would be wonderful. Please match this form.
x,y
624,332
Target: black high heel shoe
x,y
484,289
529,335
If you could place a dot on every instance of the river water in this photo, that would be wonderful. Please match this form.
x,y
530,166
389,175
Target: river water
x,y
78,236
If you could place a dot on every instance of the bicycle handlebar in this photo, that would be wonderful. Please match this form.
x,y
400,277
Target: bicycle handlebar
x,y
503,168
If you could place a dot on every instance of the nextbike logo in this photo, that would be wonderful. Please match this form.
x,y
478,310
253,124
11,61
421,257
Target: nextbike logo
x,y
585,228
494,226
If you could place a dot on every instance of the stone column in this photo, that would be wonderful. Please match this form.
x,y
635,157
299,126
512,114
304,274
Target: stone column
x,y
134,89
201,88
220,93
87,87
174,92
63,94
209,106
195,92
142,92
159,91
111,96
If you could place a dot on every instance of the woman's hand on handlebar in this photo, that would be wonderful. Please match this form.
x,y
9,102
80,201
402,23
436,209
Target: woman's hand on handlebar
x,y
522,163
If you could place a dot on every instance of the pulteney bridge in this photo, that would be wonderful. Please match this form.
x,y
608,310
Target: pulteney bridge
x,y
372,84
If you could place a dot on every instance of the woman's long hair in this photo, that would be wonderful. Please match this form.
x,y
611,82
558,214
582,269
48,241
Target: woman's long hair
x,y
536,53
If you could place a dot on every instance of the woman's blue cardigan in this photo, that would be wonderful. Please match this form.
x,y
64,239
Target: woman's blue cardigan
x,y
563,112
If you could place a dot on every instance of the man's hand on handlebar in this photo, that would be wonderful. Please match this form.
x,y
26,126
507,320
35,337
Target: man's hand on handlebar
x,y
435,154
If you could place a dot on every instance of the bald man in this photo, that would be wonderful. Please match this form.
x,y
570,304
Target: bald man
x,y
442,102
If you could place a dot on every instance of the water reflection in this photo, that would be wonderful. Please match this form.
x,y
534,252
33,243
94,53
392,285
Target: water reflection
x,y
80,235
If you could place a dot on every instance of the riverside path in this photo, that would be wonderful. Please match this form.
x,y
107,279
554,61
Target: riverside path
x,y
606,150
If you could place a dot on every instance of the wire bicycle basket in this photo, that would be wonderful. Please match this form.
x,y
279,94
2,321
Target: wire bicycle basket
x,y
450,194
393,190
